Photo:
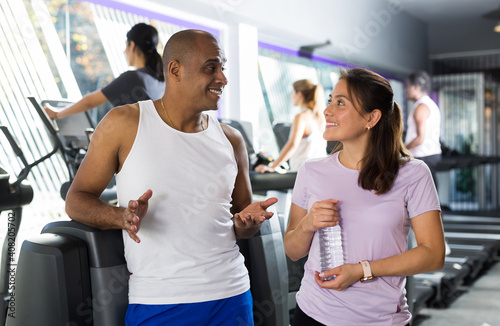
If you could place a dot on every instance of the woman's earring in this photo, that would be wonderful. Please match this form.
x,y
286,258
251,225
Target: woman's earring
x,y
369,127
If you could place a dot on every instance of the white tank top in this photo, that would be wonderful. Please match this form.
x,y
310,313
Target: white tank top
x,y
188,250
431,144
311,146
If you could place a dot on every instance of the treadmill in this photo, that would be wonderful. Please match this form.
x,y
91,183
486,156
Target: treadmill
x,y
475,245
72,137
458,227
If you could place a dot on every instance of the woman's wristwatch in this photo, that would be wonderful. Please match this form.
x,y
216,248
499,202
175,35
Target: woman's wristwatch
x,y
367,271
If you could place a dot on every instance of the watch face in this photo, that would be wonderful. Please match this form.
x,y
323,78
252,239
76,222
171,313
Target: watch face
x,y
367,279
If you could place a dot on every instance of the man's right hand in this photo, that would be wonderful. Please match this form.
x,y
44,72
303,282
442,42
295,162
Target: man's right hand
x,y
134,214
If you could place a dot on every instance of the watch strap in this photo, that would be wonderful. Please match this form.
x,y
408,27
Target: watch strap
x,y
367,271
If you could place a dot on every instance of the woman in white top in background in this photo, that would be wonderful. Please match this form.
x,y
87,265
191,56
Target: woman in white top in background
x,y
306,135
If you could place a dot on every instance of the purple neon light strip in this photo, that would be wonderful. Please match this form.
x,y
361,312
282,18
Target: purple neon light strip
x,y
153,15
295,53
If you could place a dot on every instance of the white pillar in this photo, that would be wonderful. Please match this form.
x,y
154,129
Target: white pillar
x,y
243,78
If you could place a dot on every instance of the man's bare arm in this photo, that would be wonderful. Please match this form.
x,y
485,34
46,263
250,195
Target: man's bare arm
x,y
248,216
108,149
421,114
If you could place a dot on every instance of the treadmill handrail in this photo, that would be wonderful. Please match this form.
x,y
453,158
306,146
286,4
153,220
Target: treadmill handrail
x,y
17,150
48,123
272,180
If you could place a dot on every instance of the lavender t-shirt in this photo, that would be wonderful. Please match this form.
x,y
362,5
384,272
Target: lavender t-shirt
x,y
373,227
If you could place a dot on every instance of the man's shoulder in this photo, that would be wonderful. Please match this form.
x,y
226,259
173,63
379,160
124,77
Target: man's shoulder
x,y
121,116
117,130
422,110
232,134
229,131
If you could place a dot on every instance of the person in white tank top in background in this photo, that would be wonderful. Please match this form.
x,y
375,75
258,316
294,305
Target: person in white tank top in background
x,y
424,122
184,194
306,135
424,125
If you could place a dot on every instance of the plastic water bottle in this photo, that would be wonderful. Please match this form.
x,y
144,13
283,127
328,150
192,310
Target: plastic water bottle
x,y
331,253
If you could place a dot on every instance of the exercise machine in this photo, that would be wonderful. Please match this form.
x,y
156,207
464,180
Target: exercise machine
x,y
13,196
71,137
71,274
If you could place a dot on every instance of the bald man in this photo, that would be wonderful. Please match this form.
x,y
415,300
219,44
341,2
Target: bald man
x,y
184,194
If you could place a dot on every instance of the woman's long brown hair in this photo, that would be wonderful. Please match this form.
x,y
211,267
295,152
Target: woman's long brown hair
x,y
386,151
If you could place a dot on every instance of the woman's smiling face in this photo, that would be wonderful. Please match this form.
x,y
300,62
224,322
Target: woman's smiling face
x,y
343,120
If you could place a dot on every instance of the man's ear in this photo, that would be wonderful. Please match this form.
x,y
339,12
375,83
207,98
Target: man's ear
x,y
173,69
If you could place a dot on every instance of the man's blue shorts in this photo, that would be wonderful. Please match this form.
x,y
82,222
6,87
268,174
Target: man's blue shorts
x,y
234,311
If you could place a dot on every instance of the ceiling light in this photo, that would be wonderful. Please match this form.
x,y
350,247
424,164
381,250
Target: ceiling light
x,y
497,27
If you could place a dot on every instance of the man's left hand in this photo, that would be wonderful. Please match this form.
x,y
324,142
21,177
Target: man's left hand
x,y
248,221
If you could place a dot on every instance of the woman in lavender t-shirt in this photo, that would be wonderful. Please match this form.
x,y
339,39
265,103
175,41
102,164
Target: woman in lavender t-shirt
x,y
374,189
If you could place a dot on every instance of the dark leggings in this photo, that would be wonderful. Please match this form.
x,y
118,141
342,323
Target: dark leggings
x,y
301,319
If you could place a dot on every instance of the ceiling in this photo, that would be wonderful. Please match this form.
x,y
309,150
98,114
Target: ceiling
x,y
442,11
457,27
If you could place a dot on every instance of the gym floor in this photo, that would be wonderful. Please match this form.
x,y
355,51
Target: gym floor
x,y
477,305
